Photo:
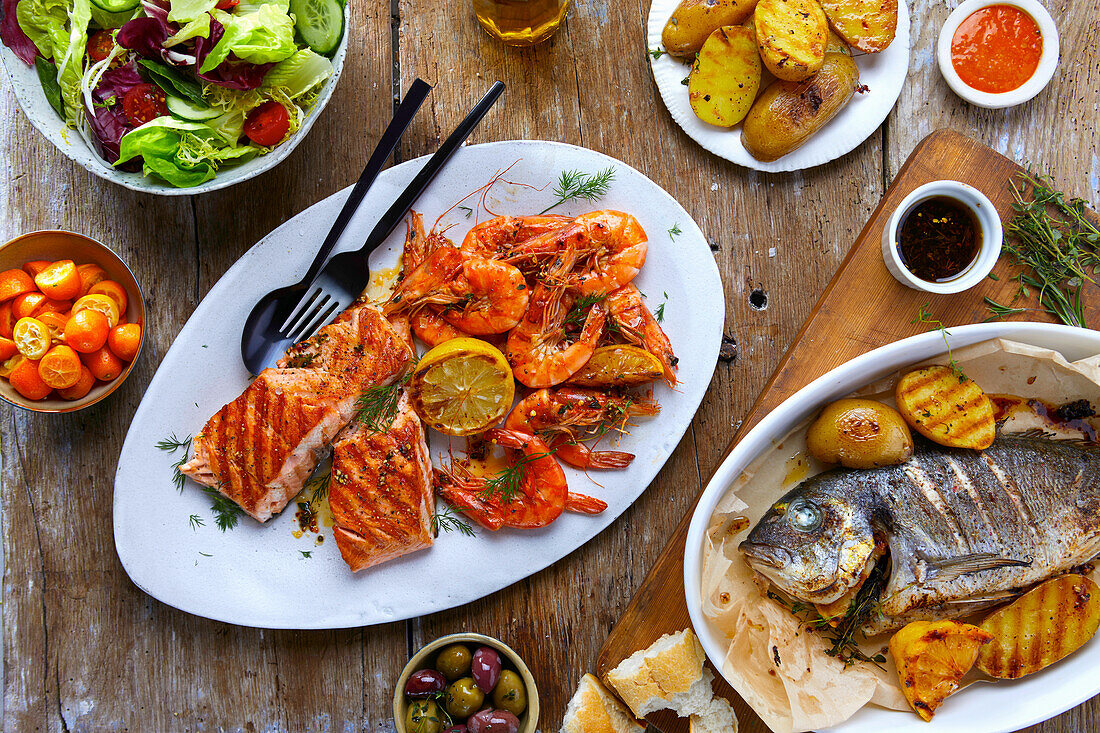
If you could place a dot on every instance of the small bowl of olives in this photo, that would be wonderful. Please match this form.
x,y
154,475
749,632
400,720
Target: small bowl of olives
x,y
466,683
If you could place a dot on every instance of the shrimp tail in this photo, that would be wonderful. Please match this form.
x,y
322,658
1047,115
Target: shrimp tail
x,y
463,494
582,504
580,455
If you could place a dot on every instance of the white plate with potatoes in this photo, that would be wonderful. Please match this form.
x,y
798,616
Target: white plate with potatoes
x,y
781,85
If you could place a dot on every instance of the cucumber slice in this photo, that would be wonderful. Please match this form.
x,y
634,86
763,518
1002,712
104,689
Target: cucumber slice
x,y
116,6
320,23
189,110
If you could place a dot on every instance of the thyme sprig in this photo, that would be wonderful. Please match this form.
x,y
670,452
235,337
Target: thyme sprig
x,y
171,444
448,520
225,510
1056,242
507,483
576,185
925,317
376,407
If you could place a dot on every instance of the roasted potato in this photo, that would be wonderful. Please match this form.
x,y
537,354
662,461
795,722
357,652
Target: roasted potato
x,y
694,21
932,657
787,113
836,44
725,77
946,407
869,25
1049,622
859,434
791,36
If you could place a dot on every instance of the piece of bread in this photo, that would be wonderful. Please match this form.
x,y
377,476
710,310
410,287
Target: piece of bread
x,y
595,710
717,718
669,674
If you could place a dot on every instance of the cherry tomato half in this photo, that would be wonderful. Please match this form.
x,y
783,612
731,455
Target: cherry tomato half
x,y
100,44
267,125
227,4
144,103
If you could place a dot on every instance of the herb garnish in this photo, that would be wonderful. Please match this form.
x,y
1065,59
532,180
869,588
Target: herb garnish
x,y
196,521
507,482
923,316
659,314
843,637
319,486
1057,243
226,512
468,210
306,553
171,444
674,231
657,52
578,314
448,520
376,408
574,185
1001,311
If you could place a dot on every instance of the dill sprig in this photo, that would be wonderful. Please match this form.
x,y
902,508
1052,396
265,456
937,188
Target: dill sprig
x,y
447,520
925,317
674,231
578,314
844,645
376,407
319,486
196,521
577,185
171,444
506,484
226,512
1057,243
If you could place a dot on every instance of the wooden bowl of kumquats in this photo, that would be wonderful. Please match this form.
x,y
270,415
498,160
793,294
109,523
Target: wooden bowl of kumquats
x,y
72,321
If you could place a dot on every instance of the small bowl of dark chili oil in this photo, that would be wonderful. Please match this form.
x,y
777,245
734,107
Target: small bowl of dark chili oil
x,y
944,237
998,53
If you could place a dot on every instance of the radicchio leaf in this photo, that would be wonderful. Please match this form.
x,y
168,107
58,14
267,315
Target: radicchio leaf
x,y
231,73
116,82
144,36
108,125
13,36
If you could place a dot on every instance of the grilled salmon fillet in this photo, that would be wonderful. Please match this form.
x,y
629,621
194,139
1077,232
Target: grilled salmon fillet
x,y
260,448
381,491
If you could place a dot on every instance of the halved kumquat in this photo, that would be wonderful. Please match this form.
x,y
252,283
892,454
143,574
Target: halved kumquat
x,y
87,331
99,302
7,320
31,337
27,304
26,381
14,283
113,290
103,365
90,274
124,340
55,322
8,365
59,281
34,267
60,367
82,387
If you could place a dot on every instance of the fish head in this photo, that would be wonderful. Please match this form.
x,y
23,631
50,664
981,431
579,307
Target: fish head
x,y
813,544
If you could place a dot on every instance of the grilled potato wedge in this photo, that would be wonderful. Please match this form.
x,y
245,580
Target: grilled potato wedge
x,y
836,44
791,36
787,113
694,20
932,657
1049,622
725,77
869,25
946,407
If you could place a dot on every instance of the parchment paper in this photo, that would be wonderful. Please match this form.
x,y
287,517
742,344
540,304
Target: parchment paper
x,y
780,668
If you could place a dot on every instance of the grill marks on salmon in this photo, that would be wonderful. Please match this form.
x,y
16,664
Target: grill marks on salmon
x,y
381,491
259,449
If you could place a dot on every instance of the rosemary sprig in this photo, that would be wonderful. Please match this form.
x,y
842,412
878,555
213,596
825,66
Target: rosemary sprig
x,y
506,484
1001,311
925,317
577,185
1057,244
376,407
448,520
171,444
226,512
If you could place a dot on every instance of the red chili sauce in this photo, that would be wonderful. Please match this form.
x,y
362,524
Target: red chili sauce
x,y
996,49
938,239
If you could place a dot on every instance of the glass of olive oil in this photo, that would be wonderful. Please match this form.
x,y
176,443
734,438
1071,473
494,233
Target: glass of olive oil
x,y
521,22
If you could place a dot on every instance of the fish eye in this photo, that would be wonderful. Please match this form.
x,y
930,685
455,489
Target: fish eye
x,y
804,515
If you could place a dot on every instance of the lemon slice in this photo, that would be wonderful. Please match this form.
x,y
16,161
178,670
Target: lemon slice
x,y
31,337
618,366
932,657
462,387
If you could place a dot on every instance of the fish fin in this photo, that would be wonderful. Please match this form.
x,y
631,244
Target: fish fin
x,y
954,567
1040,434
1005,595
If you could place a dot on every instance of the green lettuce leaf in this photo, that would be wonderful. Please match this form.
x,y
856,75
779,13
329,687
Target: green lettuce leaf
x,y
199,27
70,62
263,34
299,74
46,23
185,11
184,154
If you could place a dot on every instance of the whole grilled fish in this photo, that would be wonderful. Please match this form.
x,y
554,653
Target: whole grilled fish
x,y
964,529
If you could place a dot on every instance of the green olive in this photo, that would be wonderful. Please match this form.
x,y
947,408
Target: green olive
x,y
510,694
463,698
454,661
423,717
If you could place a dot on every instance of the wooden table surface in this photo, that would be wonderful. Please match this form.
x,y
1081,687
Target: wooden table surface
x,y
85,650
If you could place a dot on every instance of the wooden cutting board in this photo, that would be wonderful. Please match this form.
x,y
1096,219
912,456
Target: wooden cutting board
x,y
862,308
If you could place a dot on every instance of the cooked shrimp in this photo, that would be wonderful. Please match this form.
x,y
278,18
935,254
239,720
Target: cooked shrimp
x,y
560,411
497,237
538,349
541,496
477,295
630,317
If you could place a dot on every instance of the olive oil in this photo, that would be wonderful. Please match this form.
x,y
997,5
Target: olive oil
x,y
521,22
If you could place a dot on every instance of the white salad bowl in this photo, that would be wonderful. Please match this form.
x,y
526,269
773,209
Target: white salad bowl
x,y
981,708
28,92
